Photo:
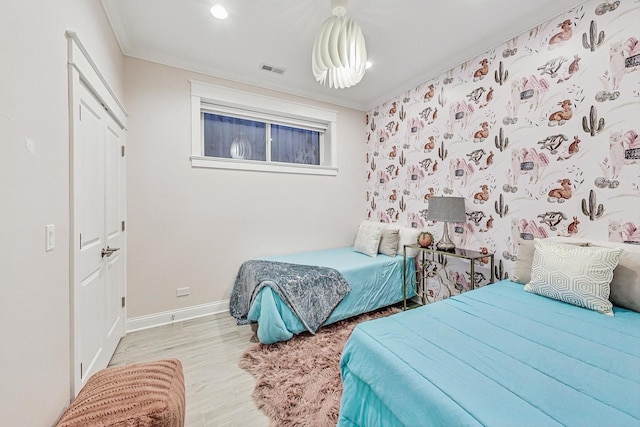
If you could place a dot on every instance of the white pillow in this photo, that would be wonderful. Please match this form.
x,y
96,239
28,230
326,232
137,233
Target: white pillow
x,y
408,236
368,239
578,275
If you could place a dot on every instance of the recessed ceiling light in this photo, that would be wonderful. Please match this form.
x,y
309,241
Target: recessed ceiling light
x,y
368,65
219,12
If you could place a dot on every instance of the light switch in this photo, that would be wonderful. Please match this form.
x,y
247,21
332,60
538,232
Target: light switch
x,y
30,146
50,237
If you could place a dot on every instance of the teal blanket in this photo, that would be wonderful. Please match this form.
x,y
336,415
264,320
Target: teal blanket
x,y
495,356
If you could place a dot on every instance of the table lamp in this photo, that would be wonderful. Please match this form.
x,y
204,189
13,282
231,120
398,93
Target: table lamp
x,y
446,209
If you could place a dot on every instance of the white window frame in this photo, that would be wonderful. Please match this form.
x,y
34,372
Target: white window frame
x,y
215,99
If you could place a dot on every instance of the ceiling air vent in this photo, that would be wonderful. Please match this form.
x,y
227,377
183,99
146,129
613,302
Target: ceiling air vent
x,y
272,69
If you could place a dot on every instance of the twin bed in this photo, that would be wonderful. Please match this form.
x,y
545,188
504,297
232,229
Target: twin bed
x,y
287,294
375,282
502,355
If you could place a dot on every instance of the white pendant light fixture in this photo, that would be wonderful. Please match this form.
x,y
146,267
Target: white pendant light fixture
x,y
339,53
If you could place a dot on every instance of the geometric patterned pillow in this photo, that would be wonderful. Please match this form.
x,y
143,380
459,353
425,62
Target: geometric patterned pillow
x,y
577,275
524,261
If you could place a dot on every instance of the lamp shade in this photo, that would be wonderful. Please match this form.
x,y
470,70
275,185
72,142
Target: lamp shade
x,y
448,209
339,55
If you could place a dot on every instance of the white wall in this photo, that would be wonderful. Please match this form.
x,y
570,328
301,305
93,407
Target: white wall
x,y
194,227
34,189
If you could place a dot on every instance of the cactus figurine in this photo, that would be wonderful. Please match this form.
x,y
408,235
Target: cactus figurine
x,y
501,75
442,152
501,141
592,125
595,38
591,210
502,208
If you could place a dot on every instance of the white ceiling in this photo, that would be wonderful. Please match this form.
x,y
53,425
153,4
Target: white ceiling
x,y
408,41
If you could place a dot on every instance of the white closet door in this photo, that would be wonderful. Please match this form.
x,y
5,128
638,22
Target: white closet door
x,y
99,261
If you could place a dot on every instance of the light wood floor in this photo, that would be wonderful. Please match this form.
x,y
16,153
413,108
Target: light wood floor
x,y
218,392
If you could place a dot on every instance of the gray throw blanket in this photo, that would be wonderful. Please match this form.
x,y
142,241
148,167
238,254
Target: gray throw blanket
x,y
311,292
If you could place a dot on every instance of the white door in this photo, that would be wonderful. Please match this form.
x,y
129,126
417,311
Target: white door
x,y
98,234
114,233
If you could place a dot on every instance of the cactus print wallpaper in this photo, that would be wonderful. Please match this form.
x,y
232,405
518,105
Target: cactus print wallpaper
x,y
540,135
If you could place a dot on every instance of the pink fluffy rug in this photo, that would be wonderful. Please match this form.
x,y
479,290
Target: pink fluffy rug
x,y
298,381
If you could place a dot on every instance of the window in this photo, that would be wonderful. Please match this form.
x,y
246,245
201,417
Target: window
x,y
234,138
294,145
240,130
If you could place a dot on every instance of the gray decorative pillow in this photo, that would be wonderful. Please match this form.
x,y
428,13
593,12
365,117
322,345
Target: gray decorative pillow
x,y
522,271
389,241
625,286
578,275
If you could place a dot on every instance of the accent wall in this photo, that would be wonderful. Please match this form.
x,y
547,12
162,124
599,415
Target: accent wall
x,y
539,135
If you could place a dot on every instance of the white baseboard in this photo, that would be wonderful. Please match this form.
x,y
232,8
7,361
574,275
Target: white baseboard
x,y
167,317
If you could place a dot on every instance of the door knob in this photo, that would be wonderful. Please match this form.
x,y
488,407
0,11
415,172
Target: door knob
x,y
107,252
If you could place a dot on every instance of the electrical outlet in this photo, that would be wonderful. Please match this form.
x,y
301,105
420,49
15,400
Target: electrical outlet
x,y
182,292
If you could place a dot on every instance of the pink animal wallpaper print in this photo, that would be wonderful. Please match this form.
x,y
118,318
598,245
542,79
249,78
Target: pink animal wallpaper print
x,y
539,135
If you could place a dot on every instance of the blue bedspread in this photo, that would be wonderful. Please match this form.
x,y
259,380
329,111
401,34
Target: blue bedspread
x,y
375,283
496,356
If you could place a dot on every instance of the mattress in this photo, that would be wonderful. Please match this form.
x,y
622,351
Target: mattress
x,y
375,283
495,356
